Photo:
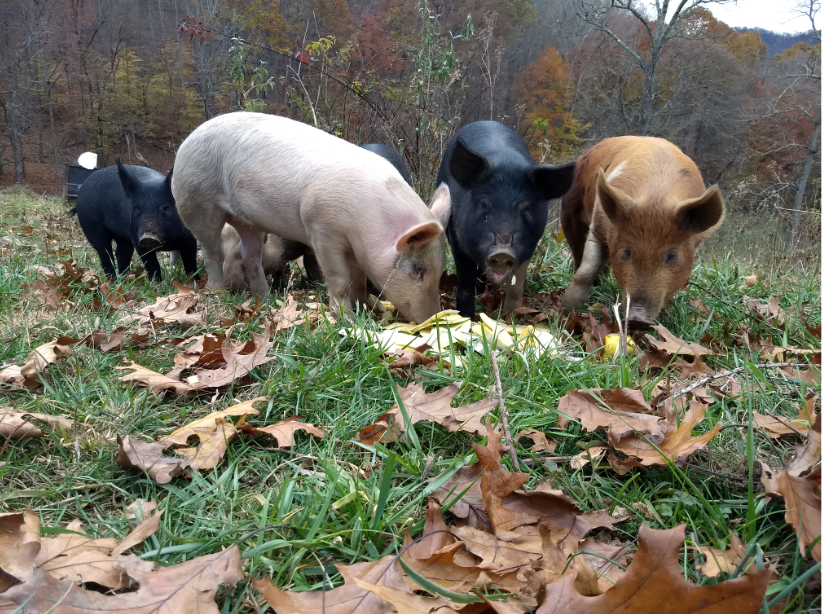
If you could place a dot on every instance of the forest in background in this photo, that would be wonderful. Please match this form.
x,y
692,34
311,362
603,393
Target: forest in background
x,y
134,78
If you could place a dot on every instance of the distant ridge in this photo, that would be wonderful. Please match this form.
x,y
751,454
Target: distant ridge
x,y
778,42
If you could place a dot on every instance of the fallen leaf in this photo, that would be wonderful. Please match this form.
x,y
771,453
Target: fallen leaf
x,y
718,560
284,430
156,382
673,345
172,309
19,546
541,443
623,411
240,359
141,532
209,423
463,495
677,444
777,428
148,457
343,599
45,293
587,456
288,315
433,407
187,588
802,509
654,582
209,452
141,509
17,424
750,280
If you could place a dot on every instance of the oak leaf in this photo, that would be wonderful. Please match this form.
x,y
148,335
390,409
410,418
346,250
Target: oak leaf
x,y
187,588
802,423
623,411
148,457
284,430
16,424
677,444
541,443
28,374
654,583
288,315
718,560
345,599
673,345
172,309
156,382
209,423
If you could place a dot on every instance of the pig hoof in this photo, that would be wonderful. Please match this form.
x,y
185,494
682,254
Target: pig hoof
x,y
574,296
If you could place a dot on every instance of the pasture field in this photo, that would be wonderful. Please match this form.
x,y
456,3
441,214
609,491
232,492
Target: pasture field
x,y
329,501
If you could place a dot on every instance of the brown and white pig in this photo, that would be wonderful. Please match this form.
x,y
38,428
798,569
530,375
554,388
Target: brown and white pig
x,y
268,174
640,202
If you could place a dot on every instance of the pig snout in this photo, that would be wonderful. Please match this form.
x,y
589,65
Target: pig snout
x,y
500,263
149,241
641,315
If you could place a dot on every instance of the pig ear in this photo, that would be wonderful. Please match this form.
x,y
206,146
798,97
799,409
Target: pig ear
x,y
467,165
126,178
418,236
441,204
702,214
554,181
612,200
167,182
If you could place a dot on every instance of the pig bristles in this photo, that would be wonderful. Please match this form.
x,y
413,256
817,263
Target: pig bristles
x,y
504,414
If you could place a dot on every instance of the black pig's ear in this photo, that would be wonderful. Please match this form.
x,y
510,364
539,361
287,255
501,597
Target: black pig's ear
x,y
467,166
554,181
167,182
128,180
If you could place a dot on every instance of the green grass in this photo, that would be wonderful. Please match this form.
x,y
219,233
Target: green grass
x,y
343,386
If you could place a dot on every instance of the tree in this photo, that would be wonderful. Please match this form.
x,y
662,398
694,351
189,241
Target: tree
x,y
646,52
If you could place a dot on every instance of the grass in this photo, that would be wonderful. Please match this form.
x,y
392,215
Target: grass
x,y
332,498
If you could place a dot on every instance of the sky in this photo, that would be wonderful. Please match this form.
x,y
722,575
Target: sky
x,y
773,15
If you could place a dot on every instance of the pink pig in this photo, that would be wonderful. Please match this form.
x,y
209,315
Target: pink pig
x,y
268,174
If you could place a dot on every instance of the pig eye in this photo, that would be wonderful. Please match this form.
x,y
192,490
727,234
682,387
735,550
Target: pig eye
x,y
165,209
670,257
626,253
484,204
418,270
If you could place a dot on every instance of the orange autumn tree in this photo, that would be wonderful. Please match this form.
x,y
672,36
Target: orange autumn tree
x,y
545,90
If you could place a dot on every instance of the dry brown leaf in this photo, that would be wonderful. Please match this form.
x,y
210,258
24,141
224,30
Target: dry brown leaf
x,y
724,561
677,445
673,345
211,449
28,374
750,280
587,456
209,423
777,428
172,309
404,601
240,359
599,557
464,484
16,424
434,407
802,509
45,293
288,315
156,382
187,588
19,546
541,443
141,532
622,411
654,583
284,430
141,509
769,311
343,599
148,457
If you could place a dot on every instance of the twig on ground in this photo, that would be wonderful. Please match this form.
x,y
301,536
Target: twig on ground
x,y
719,475
710,378
504,414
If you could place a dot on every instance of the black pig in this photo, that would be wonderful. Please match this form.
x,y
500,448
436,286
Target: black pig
x,y
390,154
499,207
133,206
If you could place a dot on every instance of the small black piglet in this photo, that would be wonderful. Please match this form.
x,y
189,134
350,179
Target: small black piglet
x,y
499,208
133,206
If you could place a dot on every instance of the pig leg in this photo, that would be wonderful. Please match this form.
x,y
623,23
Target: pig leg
x,y
124,252
594,259
189,258
251,251
514,291
466,281
151,263
337,273
312,267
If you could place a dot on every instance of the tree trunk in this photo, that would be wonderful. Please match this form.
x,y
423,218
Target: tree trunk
x,y
796,209
646,109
